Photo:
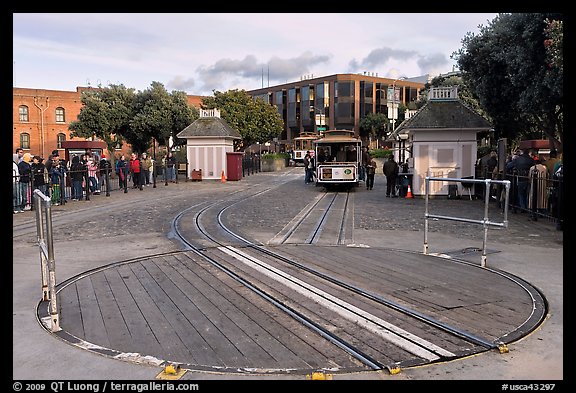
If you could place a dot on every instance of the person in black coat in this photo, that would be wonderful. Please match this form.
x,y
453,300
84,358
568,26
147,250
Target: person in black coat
x,y
520,166
39,174
78,174
25,170
391,172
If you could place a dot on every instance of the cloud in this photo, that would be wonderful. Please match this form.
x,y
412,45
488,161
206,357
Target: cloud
x,y
433,63
289,69
382,56
279,70
180,83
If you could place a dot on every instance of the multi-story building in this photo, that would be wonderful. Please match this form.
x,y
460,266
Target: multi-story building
x,y
336,101
41,118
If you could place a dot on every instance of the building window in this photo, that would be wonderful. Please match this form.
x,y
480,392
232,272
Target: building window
x,y
60,118
23,112
306,103
25,140
61,137
292,118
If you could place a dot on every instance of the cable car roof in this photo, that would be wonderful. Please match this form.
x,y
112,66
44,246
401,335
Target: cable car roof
x,y
338,136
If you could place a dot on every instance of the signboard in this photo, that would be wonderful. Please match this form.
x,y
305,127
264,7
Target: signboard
x,y
343,173
393,94
321,128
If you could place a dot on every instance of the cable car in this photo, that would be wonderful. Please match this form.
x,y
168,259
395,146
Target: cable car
x,y
338,156
302,144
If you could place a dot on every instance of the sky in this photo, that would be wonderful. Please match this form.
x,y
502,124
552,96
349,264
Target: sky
x,y
199,53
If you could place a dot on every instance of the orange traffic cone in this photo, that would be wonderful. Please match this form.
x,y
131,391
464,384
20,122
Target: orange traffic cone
x,y
223,177
409,193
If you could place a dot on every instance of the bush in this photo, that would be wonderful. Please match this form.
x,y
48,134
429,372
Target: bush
x,y
380,153
274,156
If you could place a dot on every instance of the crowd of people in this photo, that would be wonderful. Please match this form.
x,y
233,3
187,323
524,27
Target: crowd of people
x,y
85,174
535,179
523,166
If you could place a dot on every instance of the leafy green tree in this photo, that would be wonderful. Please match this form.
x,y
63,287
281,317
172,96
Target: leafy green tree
x,y
182,114
159,115
105,114
373,126
554,43
255,119
507,66
465,94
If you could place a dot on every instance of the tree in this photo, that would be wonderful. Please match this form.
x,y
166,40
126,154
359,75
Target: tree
x,y
507,66
256,120
373,125
465,94
554,43
158,115
105,114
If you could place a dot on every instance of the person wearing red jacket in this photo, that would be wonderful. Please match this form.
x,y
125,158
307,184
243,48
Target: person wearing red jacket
x,y
136,171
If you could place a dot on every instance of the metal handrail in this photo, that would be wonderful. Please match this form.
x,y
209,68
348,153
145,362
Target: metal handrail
x,y
43,204
485,222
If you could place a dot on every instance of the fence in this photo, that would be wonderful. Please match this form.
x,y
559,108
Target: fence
x,y
250,164
78,184
485,222
535,193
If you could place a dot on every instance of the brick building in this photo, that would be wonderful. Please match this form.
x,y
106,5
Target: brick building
x,y
41,117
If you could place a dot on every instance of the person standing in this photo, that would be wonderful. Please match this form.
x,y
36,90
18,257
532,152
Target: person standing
x,y
135,171
92,167
57,172
105,166
122,172
16,200
520,166
38,174
146,165
306,161
370,172
25,179
365,157
390,170
77,170
171,167
537,195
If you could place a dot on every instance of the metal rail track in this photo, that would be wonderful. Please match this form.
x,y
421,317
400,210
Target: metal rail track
x,y
418,346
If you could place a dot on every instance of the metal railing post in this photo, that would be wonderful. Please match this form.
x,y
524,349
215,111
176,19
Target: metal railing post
x,y
40,239
48,263
485,222
426,193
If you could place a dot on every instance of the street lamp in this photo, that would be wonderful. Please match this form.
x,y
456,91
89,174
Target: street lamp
x,y
379,111
393,111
